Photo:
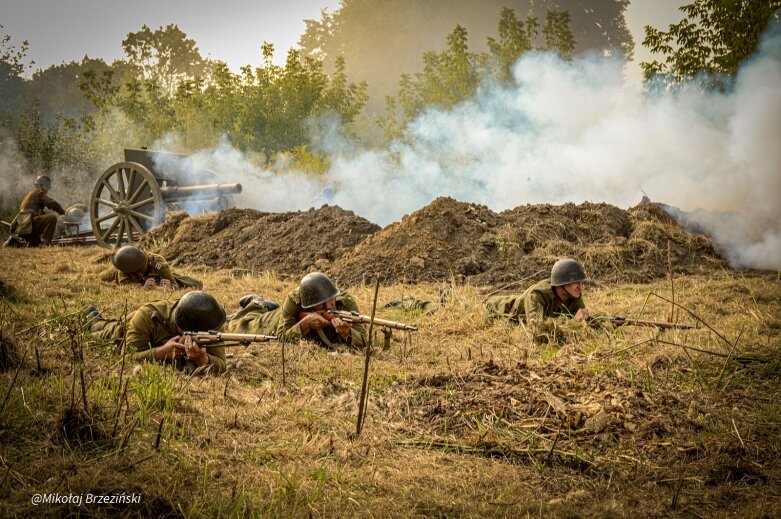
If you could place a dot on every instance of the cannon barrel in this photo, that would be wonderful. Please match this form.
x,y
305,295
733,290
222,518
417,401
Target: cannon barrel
x,y
198,192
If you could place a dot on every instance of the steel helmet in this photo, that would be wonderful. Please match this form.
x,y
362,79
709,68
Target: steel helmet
x,y
129,259
43,181
74,215
566,271
198,312
316,289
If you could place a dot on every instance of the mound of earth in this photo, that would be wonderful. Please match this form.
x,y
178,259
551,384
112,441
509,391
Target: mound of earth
x,y
291,243
445,240
467,242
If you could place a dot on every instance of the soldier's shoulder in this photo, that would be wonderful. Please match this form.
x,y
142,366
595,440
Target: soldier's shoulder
x,y
295,295
542,288
156,260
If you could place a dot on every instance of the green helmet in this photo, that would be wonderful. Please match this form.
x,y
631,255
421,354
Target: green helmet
x,y
43,181
198,312
316,289
129,259
566,271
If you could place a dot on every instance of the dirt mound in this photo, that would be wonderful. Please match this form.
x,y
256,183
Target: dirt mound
x,y
287,243
445,236
450,239
445,240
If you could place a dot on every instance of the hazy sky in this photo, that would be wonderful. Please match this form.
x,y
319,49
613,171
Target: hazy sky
x,y
229,30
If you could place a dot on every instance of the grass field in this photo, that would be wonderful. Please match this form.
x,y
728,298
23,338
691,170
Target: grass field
x,y
467,418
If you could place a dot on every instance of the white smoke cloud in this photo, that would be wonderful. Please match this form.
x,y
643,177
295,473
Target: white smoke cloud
x,y
567,131
15,182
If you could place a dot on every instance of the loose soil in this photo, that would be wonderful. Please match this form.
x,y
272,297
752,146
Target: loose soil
x,y
446,240
249,240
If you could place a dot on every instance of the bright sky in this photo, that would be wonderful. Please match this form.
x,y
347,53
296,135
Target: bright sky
x,y
229,30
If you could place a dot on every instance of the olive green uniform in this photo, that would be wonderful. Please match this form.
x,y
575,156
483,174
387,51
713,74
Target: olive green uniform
x,y
256,318
535,304
43,225
156,267
148,327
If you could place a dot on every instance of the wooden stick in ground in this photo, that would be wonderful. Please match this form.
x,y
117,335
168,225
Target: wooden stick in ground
x,y
363,400
671,319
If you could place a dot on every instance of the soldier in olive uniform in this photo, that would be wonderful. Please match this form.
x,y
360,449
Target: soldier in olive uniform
x,y
32,223
153,333
561,295
301,317
134,266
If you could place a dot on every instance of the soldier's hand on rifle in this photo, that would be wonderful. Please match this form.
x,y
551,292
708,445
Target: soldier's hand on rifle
x,y
195,353
342,327
171,350
166,283
313,321
582,315
150,283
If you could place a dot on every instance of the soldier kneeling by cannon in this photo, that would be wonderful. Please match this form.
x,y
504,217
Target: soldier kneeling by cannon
x,y
33,226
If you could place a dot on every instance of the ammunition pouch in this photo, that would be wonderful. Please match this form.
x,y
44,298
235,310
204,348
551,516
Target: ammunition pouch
x,y
22,224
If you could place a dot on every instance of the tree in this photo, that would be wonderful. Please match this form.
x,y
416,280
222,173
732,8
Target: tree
x,y
715,36
382,39
453,75
166,56
12,67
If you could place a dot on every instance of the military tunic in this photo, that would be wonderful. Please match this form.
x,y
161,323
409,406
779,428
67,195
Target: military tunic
x,y
148,327
535,304
44,224
255,318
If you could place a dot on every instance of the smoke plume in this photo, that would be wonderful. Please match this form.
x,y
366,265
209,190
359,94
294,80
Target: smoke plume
x,y
568,131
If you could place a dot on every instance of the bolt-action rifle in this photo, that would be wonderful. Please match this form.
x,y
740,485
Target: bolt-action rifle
x,y
617,322
212,339
355,317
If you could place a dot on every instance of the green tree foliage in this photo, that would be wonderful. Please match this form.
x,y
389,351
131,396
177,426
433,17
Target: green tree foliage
x,y
41,113
382,39
57,88
12,67
715,36
47,146
165,56
453,75
265,109
448,77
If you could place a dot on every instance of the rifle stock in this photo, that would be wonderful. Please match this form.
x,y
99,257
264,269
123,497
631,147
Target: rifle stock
x,y
213,339
617,321
355,317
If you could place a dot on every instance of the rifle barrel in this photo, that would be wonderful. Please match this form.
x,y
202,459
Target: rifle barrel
x,y
210,339
355,317
623,321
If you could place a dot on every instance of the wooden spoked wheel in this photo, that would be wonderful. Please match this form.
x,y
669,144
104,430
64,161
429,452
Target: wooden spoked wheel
x,y
125,204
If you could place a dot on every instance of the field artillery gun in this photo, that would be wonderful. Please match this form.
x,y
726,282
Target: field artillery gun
x,y
131,197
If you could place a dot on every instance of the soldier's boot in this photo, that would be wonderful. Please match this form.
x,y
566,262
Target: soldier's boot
x,y
404,302
252,298
93,322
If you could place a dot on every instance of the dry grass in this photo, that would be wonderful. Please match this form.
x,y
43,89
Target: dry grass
x,y
469,419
